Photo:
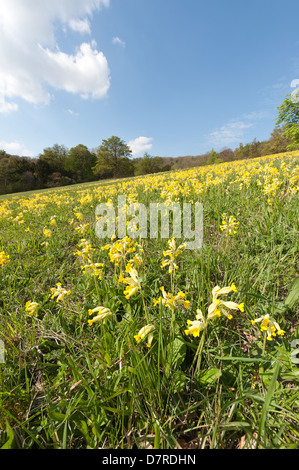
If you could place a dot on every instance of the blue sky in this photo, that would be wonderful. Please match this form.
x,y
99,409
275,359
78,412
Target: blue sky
x,y
169,77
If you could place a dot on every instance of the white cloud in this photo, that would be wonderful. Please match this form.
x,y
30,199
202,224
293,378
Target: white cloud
x,y
140,145
117,41
233,132
228,134
15,148
31,61
85,73
6,108
73,113
80,26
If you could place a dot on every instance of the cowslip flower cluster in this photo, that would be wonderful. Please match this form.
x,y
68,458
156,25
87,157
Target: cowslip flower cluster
x,y
32,308
93,269
269,326
53,222
119,250
197,325
88,267
219,306
229,225
134,262
86,249
47,232
82,228
78,215
172,301
4,258
145,331
171,254
215,310
59,292
133,283
103,314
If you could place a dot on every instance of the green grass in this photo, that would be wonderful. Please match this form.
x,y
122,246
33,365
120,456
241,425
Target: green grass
x,y
66,384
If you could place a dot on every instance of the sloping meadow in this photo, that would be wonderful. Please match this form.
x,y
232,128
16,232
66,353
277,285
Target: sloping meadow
x,y
140,341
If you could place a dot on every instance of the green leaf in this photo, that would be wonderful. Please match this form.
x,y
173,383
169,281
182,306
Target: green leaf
x,y
238,359
293,295
210,376
56,416
175,354
11,442
267,402
179,379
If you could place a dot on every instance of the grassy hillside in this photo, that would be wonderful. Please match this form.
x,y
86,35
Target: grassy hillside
x,y
142,343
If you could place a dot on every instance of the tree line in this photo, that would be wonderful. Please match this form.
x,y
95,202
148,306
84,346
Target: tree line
x,y
58,166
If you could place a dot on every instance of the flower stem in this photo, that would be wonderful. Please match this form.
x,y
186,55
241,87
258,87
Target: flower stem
x,y
145,308
198,354
264,345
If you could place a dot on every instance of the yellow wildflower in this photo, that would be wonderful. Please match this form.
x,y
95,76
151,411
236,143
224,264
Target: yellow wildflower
x,y
197,325
133,283
145,331
104,313
59,292
172,301
269,326
32,308
93,269
218,306
229,225
216,309
47,232
4,258
172,253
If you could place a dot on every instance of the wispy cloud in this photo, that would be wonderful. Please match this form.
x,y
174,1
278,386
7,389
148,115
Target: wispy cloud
x,y
72,113
117,41
140,145
32,65
234,131
15,148
228,134
80,26
6,107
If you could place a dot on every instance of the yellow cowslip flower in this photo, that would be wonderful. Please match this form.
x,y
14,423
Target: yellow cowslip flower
x,y
145,331
229,225
172,301
216,309
82,228
59,292
103,315
133,283
78,215
32,308
172,253
53,222
269,325
218,306
93,269
119,249
86,249
197,325
136,261
47,232
4,258
19,218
